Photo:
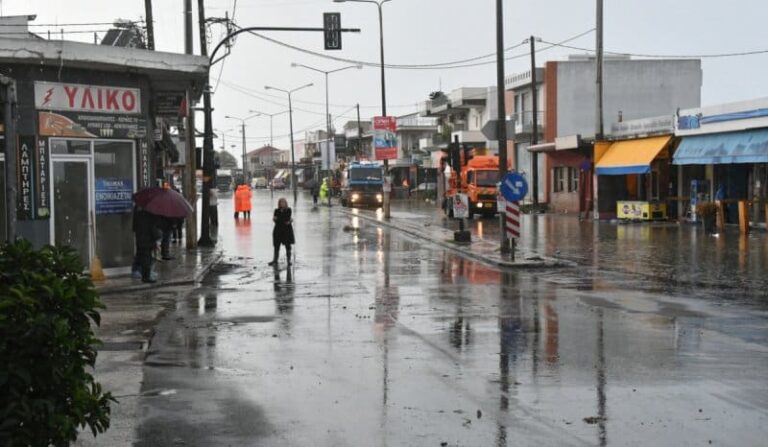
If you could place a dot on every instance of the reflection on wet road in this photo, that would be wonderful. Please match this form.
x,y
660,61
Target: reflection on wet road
x,y
373,338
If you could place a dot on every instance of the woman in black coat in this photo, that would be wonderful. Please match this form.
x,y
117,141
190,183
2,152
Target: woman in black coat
x,y
283,231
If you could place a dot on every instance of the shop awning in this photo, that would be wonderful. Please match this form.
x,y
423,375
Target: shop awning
x,y
749,146
543,147
631,156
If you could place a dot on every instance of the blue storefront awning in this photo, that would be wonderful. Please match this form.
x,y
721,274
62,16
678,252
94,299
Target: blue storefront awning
x,y
748,146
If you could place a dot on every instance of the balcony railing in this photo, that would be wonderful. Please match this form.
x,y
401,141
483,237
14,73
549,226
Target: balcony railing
x,y
524,121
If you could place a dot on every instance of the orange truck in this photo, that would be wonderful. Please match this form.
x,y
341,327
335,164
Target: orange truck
x,y
477,179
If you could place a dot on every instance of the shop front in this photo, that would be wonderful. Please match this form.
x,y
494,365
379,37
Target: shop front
x,y
723,156
631,178
86,142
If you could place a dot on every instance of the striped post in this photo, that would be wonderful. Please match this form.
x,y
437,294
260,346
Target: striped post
x,y
513,220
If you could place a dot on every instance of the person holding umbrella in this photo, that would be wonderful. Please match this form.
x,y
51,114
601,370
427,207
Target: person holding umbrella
x,y
153,205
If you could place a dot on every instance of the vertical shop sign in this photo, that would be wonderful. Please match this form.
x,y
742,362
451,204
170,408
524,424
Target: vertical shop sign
x,y
146,170
25,170
43,198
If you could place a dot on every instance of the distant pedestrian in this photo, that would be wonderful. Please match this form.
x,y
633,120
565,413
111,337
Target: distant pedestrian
x,y
167,226
282,234
324,190
242,199
315,190
213,206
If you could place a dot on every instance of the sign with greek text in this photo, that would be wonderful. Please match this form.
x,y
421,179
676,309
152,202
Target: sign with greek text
x,y
25,172
43,194
91,125
87,98
114,196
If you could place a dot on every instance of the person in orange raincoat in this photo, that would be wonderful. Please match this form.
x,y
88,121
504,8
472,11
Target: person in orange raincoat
x,y
243,201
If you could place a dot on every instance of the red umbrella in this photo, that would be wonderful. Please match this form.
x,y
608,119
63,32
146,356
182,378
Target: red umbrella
x,y
163,202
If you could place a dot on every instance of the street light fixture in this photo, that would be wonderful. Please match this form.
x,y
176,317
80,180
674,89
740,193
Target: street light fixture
x,y
245,159
290,123
379,3
327,112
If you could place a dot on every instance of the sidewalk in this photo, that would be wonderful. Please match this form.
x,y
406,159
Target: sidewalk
x,y
665,252
423,226
128,322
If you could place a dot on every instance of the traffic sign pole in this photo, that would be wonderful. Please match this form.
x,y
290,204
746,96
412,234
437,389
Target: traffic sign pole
x,y
514,188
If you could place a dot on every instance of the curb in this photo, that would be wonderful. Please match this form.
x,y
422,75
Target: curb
x,y
196,277
545,263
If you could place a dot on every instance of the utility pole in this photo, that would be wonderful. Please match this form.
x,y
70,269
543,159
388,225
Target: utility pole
x,y
535,131
245,158
8,99
359,133
599,71
502,125
208,162
189,137
150,25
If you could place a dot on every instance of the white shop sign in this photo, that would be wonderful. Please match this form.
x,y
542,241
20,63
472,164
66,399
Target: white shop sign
x,y
87,98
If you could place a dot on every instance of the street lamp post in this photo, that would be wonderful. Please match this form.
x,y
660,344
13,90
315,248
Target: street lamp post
x,y
327,112
271,142
383,82
290,123
245,159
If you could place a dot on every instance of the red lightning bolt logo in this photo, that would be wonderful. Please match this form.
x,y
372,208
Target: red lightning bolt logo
x,y
48,95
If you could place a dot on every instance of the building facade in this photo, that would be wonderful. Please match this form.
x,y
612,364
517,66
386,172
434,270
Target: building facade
x,y
89,135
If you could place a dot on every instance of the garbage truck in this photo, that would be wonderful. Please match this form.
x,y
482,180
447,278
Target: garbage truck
x,y
477,177
362,184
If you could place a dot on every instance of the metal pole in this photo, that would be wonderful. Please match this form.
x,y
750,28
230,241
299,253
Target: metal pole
x,y
208,165
245,158
387,204
328,138
188,47
502,125
9,118
293,156
150,25
535,131
599,73
359,133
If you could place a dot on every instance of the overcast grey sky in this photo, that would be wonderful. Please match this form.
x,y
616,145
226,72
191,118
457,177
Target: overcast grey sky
x,y
423,32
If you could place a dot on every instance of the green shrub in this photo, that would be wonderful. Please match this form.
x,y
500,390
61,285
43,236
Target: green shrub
x,y
47,345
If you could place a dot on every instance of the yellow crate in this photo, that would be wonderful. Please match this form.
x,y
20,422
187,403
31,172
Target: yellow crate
x,y
640,210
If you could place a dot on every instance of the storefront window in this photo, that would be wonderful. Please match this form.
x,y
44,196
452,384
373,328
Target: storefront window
x,y
558,177
114,185
573,179
71,147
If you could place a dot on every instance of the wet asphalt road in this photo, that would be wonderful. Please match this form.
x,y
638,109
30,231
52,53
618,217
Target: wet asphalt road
x,y
377,339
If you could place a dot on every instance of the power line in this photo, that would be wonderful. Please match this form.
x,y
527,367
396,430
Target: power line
x,y
69,24
666,56
437,66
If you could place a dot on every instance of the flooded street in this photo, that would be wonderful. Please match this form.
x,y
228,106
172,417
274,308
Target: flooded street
x,y
377,338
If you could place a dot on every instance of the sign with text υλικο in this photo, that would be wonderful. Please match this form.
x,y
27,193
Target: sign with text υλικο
x,y
384,137
87,98
25,177
43,193
114,196
91,125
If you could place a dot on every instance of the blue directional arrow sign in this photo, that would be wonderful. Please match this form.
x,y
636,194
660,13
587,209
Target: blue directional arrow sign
x,y
514,187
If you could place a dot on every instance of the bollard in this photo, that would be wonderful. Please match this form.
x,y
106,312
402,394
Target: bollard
x,y
743,217
720,216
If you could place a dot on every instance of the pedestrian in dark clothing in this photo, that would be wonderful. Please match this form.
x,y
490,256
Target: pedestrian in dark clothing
x,y
315,192
282,234
167,225
178,226
146,227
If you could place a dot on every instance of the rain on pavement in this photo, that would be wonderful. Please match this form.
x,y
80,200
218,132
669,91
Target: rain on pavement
x,y
375,338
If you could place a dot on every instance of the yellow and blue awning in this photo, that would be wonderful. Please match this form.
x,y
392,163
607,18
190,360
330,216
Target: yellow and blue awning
x,y
631,156
748,146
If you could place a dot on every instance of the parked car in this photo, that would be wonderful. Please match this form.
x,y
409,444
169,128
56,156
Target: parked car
x,y
278,183
258,182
